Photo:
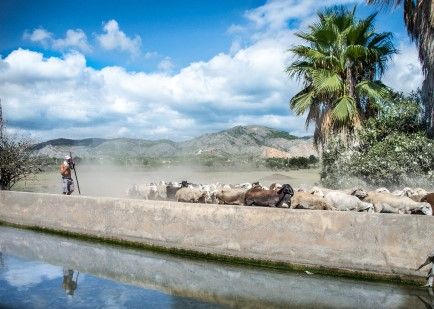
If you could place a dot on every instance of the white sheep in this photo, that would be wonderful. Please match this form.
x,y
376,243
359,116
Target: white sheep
x,y
146,191
246,186
344,202
190,195
404,192
389,203
382,190
305,200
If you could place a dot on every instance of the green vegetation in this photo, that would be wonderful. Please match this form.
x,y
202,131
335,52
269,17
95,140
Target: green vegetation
x,y
291,163
202,161
340,64
281,134
369,135
419,19
393,149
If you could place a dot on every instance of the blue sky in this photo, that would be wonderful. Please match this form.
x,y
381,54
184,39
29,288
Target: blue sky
x,y
161,69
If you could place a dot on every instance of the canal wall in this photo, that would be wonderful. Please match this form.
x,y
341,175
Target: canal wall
x,y
360,244
227,285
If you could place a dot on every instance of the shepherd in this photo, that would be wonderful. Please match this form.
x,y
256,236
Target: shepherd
x,y
65,171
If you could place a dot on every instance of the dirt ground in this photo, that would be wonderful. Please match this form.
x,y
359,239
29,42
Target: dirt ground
x,y
113,182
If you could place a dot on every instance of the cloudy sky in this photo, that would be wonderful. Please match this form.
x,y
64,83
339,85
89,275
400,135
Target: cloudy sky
x,y
161,69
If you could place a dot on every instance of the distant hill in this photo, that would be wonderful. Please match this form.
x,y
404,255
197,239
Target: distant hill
x,y
241,141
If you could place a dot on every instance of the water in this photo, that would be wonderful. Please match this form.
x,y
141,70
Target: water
x,y
44,271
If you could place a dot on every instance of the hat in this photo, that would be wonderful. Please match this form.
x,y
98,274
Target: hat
x,y
67,157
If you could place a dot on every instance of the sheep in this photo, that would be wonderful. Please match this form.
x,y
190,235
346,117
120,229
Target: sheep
x,y
389,203
231,196
343,202
382,190
417,197
304,200
322,192
210,197
357,192
404,192
429,198
172,188
190,195
269,198
144,191
319,191
275,186
420,191
161,191
245,186
430,276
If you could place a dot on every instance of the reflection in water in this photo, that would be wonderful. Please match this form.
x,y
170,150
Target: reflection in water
x,y
428,300
117,277
68,284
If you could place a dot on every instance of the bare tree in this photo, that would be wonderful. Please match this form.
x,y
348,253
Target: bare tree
x,y
17,160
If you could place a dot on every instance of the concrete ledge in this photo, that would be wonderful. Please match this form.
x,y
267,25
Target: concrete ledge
x,y
355,244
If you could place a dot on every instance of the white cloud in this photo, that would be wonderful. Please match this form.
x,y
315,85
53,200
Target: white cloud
x,y
234,29
405,72
63,97
31,273
150,55
275,14
74,39
39,35
114,38
166,65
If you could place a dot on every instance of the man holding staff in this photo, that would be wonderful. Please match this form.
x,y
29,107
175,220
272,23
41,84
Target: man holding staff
x,y
65,171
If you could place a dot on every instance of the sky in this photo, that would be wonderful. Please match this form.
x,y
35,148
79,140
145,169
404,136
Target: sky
x,y
163,69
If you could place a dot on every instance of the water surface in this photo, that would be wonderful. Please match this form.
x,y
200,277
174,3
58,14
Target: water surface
x,y
44,271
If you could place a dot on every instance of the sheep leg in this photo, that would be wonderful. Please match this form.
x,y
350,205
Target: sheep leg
x,y
249,202
430,278
424,263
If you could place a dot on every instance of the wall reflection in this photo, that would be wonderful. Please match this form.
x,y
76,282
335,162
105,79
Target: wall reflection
x,y
223,285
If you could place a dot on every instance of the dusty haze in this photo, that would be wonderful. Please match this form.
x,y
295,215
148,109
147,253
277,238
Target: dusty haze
x,y
113,181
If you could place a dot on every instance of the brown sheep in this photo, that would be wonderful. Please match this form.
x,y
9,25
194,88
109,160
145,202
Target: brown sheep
x,y
231,196
269,198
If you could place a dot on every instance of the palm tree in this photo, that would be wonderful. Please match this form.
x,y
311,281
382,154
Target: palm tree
x,y
419,19
340,63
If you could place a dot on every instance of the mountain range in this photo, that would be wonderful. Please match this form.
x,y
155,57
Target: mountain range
x,y
241,141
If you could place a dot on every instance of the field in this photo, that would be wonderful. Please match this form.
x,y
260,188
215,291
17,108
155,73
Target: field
x,y
113,182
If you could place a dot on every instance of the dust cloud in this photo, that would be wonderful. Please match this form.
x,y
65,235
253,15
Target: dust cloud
x,y
113,181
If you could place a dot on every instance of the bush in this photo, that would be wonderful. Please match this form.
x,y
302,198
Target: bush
x,y
291,163
392,150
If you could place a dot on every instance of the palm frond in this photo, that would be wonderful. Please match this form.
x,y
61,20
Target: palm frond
x,y
344,109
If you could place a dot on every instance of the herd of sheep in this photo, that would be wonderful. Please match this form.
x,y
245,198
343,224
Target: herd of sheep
x,y
405,201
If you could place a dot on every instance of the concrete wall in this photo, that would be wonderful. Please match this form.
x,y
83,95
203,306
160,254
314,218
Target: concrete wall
x,y
377,244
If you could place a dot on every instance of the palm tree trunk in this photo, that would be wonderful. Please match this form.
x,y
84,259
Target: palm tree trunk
x,y
428,99
350,81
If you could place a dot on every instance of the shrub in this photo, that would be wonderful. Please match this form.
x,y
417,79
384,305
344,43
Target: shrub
x,y
392,150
